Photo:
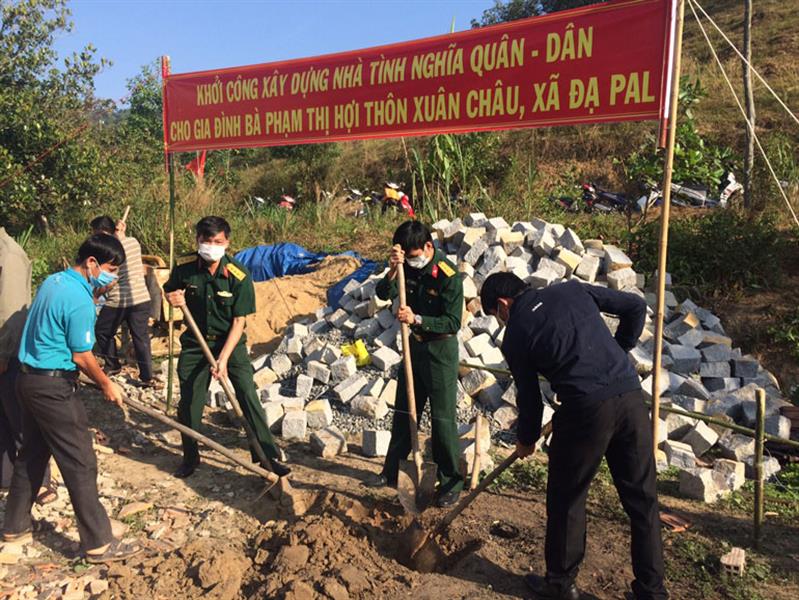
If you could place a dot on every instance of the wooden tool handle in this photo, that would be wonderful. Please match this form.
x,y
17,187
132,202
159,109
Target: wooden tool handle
x,y
487,480
478,451
150,412
125,216
409,390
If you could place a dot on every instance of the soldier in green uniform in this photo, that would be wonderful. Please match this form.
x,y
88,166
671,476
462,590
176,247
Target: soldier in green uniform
x,y
434,292
219,293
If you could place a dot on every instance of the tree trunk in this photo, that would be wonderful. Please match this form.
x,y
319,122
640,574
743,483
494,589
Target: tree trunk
x,y
749,146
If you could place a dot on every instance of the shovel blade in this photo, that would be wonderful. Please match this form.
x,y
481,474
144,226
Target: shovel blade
x,y
415,496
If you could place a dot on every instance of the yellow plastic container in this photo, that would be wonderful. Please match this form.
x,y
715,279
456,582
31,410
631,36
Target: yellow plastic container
x,y
358,350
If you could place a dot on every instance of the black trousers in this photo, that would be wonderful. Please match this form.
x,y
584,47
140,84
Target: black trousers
x,y
108,322
54,422
11,425
618,429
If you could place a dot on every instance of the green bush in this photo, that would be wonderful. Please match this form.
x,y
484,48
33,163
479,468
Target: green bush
x,y
721,252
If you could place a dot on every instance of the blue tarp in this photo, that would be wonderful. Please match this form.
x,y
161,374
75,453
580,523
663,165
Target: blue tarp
x,y
278,260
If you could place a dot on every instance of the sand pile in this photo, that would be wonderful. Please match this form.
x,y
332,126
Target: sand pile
x,y
281,301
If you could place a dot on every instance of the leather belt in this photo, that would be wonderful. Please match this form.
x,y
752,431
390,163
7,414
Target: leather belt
x,y
62,373
425,337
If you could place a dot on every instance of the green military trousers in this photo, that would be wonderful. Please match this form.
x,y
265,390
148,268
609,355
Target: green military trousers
x,y
194,373
435,375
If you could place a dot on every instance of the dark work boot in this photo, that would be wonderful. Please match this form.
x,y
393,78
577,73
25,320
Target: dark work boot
x,y
278,468
378,481
544,590
186,469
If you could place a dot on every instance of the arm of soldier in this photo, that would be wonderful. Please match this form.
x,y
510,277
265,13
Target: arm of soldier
x,y
528,401
630,309
388,288
452,298
174,289
243,305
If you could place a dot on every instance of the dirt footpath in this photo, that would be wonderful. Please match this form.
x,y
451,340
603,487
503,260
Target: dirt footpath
x,y
215,535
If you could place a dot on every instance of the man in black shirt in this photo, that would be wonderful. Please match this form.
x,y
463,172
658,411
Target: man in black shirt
x,y
559,332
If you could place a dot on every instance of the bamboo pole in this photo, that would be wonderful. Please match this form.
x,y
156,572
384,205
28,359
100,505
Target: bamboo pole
x,y
759,482
478,450
749,138
171,311
663,244
670,409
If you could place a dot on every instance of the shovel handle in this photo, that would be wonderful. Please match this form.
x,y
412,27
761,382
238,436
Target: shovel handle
x,y
188,431
444,523
125,216
409,390
254,444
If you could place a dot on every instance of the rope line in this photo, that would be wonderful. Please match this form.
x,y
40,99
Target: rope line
x,y
743,112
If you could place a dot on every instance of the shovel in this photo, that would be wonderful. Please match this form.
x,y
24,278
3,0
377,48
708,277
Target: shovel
x,y
422,551
415,482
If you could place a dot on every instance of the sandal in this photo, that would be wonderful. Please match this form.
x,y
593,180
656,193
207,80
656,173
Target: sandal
x,y
50,494
24,537
117,551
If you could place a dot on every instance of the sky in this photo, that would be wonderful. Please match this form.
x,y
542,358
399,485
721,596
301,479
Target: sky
x,y
210,34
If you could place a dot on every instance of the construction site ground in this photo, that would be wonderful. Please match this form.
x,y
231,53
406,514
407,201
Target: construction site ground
x,y
215,535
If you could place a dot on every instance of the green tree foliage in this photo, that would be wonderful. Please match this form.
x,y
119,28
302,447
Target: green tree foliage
x,y
511,10
52,160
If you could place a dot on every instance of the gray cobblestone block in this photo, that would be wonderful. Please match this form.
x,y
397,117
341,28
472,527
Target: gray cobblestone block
x,y
476,380
689,403
692,387
701,438
509,397
715,369
771,466
362,309
491,396
779,426
294,425
493,357
505,416
729,474
710,338
700,483
692,338
384,358
375,442
680,326
374,388
343,368
473,254
330,354
588,268
678,426
511,240
273,413
543,242
312,345
679,455
350,387
615,259
721,384
716,353
725,405
369,407
389,338
621,279
485,324
294,349
571,241
685,359
337,318
264,377
322,312
548,264
737,446
476,219
320,327
318,371
257,363
469,288
280,364
479,344
389,393
745,367
569,260
298,330
350,325
542,278
367,329
385,318
303,386
319,414
641,359
328,442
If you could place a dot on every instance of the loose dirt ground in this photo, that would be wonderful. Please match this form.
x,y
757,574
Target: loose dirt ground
x,y
215,535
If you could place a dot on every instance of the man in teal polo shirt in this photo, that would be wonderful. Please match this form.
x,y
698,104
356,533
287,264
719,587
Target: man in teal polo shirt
x,y
56,342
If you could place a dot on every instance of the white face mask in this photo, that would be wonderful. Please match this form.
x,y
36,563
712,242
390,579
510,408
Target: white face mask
x,y
418,262
211,252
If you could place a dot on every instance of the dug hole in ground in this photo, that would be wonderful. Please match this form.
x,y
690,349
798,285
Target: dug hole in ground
x,y
216,535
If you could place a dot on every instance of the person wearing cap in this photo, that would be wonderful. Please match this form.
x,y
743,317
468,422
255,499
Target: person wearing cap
x,y
56,344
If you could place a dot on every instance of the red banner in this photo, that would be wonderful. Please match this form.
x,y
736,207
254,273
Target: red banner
x,y
606,62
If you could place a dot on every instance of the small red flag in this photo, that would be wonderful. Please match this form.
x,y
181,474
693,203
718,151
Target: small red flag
x,y
197,166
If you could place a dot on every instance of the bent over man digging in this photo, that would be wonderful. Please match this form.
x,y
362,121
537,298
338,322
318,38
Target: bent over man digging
x,y
219,292
559,332
434,310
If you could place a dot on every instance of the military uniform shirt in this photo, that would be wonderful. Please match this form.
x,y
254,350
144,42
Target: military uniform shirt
x,y
214,300
434,292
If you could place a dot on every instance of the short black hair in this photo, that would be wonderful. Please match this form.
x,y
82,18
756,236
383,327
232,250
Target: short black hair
x,y
104,248
499,285
412,235
104,223
208,227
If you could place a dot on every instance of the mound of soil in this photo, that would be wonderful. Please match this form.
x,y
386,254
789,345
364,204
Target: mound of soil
x,y
281,301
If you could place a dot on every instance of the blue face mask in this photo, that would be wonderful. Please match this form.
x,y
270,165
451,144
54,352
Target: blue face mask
x,y
103,279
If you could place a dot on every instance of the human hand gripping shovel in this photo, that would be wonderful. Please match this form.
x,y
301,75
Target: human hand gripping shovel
x,y
416,481
419,548
285,487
